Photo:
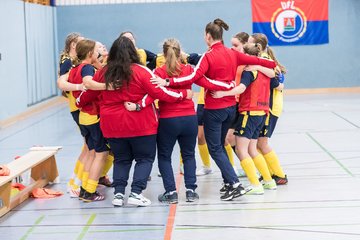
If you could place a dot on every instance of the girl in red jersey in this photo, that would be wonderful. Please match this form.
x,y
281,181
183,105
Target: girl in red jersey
x,y
131,135
218,63
89,123
253,107
177,122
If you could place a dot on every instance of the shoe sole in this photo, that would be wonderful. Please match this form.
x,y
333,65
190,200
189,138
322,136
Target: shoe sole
x,y
138,204
117,205
227,199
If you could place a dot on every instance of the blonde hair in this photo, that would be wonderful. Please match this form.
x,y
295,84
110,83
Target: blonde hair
x,y
172,54
72,37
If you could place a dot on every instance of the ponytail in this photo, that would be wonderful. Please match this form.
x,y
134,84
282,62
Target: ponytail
x,y
172,53
271,54
215,28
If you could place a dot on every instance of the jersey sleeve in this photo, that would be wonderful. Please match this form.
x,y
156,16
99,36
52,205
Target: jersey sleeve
x,y
162,93
146,101
274,83
198,73
88,70
243,59
65,66
247,78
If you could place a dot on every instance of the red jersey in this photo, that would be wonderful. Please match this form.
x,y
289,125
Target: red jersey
x,y
183,108
256,96
116,121
76,78
217,67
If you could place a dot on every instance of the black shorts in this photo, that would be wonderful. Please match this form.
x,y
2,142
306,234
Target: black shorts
x,y
75,116
269,126
236,117
200,114
249,126
93,137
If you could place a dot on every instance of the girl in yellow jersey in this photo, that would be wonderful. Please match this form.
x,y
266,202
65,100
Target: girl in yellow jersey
x,y
276,106
67,61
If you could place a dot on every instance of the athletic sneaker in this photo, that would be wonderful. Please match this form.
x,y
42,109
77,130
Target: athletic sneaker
x,y
271,185
138,200
280,180
105,181
74,193
191,195
169,197
82,193
225,188
233,192
255,190
93,197
118,200
203,171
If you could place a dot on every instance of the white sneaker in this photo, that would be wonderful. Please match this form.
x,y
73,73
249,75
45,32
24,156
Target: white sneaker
x,y
203,171
74,193
138,200
271,185
118,200
255,190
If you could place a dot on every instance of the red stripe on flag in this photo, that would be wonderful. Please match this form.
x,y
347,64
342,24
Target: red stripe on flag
x,y
314,10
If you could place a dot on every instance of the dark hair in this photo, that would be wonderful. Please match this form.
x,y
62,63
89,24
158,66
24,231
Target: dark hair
x,y
215,28
121,55
243,37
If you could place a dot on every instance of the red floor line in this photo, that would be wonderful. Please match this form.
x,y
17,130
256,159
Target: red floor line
x,y
172,212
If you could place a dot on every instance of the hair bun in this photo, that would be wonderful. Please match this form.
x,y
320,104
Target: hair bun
x,y
221,23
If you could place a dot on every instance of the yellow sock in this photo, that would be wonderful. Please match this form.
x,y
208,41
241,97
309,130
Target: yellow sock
x,y
85,177
261,165
91,185
269,167
249,168
273,161
108,164
79,174
181,160
229,152
204,154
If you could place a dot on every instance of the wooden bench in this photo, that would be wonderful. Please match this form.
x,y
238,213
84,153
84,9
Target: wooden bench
x,y
42,164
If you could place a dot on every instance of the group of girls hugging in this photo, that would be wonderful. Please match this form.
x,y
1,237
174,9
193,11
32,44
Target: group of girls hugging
x,y
130,102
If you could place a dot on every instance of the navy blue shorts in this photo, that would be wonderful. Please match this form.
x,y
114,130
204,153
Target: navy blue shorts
x,y
249,126
93,137
75,116
269,126
200,114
